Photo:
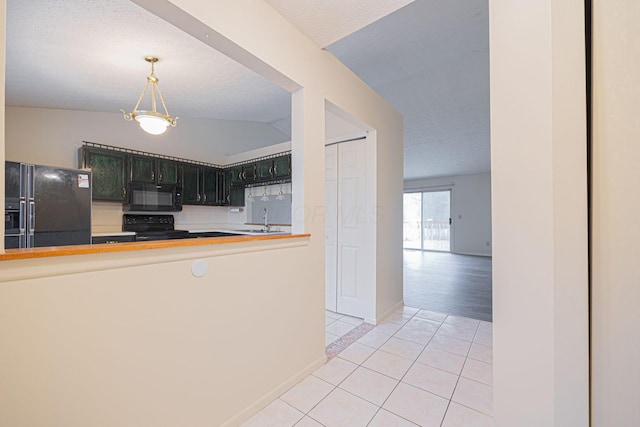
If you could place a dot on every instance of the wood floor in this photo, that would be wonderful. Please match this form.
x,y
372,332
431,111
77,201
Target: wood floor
x,y
448,283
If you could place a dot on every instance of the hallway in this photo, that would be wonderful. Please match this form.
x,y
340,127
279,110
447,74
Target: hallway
x,y
460,285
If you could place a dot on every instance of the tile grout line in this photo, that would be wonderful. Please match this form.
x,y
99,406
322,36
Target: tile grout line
x,y
458,380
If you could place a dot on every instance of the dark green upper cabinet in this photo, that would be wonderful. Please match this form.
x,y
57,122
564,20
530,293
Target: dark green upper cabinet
x,y
249,173
143,169
113,168
235,175
242,174
202,185
167,172
109,170
191,184
153,170
222,188
209,186
264,170
282,167
236,196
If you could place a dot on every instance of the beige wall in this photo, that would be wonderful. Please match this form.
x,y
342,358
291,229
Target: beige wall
x,y
539,213
615,207
53,136
135,339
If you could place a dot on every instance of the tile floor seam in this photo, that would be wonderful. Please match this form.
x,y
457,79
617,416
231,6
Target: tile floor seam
x,y
454,392
394,388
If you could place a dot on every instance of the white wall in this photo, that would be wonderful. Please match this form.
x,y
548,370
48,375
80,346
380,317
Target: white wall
x,y
470,210
539,213
615,206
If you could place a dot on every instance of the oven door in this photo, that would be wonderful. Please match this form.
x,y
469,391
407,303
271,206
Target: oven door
x,y
154,198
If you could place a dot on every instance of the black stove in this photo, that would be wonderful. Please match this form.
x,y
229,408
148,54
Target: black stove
x,y
152,227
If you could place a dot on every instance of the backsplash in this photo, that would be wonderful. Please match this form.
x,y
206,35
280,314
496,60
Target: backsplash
x,y
278,205
107,217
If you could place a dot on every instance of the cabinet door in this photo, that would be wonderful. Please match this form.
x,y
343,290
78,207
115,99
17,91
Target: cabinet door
x,y
282,167
109,170
209,183
143,169
222,188
235,175
236,196
167,172
191,181
249,173
264,170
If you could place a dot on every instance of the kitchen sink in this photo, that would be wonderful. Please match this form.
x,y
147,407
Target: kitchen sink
x,y
257,230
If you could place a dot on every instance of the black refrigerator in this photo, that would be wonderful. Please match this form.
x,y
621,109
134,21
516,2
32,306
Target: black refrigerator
x,y
46,206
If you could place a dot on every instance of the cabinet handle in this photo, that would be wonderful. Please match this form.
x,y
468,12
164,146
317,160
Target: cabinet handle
x,y
228,198
153,175
275,169
198,198
204,198
243,175
124,192
160,177
271,171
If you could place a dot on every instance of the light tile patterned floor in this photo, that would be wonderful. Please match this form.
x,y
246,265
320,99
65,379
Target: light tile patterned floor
x,y
417,368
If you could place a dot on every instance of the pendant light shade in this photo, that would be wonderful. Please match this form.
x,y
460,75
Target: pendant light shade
x,y
152,121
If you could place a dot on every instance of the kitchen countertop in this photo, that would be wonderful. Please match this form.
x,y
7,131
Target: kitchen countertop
x,y
249,231
116,233
55,251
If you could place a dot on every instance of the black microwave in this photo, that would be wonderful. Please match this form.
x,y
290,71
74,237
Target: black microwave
x,y
154,198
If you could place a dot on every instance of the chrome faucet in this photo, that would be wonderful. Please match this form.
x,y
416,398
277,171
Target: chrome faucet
x,y
267,227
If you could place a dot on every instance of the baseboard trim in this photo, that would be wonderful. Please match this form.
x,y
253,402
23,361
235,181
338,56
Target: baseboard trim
x,y
265,400
472,254
384,315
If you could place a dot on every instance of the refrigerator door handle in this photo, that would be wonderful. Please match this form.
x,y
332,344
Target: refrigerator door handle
x,y
32,217
21,213
30,177
23,182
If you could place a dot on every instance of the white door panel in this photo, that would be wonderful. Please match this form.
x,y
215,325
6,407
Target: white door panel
x,y
331,226
351,236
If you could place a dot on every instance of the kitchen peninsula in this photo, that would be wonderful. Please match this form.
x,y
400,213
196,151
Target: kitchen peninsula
x,y
59,251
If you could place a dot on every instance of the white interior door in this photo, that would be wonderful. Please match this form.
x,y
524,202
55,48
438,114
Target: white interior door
x,y
331,225
352,228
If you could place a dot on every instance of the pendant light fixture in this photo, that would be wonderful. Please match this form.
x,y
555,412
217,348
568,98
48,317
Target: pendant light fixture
x,y
152,121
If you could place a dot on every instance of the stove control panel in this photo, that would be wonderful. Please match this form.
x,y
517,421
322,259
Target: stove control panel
x,y
131,222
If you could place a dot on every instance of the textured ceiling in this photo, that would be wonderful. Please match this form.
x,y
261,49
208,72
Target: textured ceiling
x,y
328,21
430,60
88,55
